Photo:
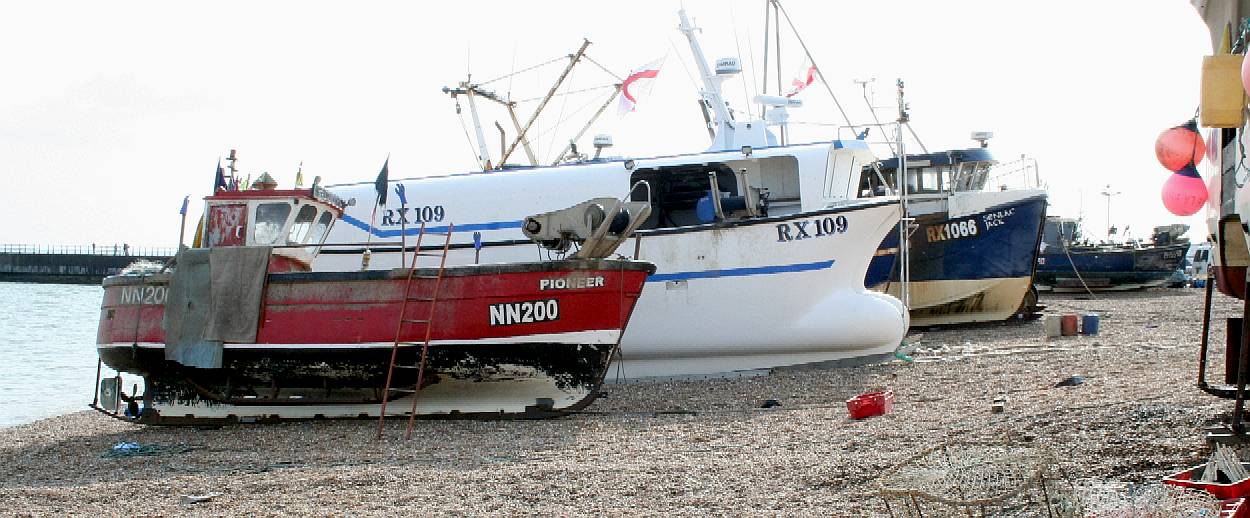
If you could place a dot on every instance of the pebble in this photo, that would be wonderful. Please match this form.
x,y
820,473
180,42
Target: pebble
x,y
1141,420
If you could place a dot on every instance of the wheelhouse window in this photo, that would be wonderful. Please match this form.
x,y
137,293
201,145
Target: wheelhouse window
x,y
270,218
303,223
319,230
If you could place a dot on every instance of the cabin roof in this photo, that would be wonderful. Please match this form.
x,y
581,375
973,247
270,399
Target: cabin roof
x,y
662,160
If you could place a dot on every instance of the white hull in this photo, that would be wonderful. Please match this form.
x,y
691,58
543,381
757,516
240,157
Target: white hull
x,y
740,294
735,298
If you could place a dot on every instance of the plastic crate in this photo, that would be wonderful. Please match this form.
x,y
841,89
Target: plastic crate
x,y
1238,489
870,404
1234,508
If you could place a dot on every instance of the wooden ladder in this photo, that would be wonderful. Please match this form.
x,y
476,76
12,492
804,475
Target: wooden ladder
x,y
428,322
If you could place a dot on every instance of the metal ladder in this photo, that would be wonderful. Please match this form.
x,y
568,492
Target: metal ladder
x,y
428,322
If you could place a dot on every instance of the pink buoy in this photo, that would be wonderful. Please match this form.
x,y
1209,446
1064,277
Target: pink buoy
x,y
1180,146
1185,192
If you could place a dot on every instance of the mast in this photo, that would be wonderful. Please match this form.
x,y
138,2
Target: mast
x,y
904,223
573,59
483,152
711,83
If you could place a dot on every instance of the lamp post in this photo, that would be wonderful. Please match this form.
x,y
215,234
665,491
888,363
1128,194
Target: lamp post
x,y
1108,193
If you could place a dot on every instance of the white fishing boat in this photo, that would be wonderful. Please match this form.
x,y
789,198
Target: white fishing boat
x,y
768,272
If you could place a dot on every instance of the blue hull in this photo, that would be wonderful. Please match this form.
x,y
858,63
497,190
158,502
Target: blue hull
x,y
1108,269
998,243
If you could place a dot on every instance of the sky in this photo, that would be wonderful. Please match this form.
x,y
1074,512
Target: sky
x,y
110,113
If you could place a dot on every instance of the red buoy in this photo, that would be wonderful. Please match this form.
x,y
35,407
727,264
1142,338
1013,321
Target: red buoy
x,y
1180,146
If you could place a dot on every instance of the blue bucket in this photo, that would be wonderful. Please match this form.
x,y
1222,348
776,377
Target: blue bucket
x,y
1089,324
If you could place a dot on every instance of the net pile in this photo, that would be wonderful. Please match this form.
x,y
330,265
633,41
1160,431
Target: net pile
x,y
1149,501
977,479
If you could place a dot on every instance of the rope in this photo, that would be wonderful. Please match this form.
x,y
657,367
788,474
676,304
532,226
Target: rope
x,y
1078,273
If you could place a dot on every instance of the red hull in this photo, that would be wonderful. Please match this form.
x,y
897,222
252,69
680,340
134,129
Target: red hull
x,y
358,308
1231,280
504,340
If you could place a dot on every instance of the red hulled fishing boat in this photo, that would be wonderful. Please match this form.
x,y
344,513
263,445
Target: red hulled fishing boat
x,y
240,329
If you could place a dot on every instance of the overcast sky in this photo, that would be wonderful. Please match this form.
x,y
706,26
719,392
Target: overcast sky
x,y
111,112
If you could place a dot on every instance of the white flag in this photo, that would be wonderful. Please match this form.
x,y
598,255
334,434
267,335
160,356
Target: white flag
x,y
637,84
803,78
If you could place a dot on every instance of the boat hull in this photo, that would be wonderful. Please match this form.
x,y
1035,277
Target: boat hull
x,y
969,266
1104,269
735,295
324,343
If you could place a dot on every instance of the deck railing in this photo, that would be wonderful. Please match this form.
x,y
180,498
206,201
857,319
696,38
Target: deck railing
x,y
90,249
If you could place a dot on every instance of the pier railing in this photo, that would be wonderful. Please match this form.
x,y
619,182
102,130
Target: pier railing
x,y
95,249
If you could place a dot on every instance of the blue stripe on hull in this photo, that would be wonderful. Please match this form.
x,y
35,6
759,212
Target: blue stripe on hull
x,y
942,250
415,228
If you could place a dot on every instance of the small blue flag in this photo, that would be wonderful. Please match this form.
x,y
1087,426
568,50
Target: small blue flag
x,y
185,200
477,240
399,190
219,183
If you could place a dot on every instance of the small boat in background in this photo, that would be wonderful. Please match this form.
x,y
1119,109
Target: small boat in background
x,y
1068,263
243,330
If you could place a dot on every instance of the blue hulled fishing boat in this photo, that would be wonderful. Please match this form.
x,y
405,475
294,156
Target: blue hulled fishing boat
x,y
1067,262
973,240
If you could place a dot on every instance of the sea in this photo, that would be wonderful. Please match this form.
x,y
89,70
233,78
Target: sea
x,y
47,349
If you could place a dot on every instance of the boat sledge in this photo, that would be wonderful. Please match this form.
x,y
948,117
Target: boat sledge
x,y
972,250
760,258
1068,263
241,329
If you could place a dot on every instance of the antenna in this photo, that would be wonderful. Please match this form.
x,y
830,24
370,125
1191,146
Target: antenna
x,y
1109,194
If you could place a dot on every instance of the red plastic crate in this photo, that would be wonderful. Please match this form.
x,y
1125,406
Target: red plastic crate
x,y
1238,489
1234,508
870,404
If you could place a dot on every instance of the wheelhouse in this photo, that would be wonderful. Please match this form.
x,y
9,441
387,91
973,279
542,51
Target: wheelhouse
x,y
294,222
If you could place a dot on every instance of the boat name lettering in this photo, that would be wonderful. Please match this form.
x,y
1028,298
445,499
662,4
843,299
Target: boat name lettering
x,y
528,312
572,282
803,229
952,230
143,295
995,219
426,213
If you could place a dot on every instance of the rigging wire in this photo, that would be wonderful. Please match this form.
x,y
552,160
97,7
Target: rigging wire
x,y
751,56
603,68
746,97
819,72
524,70
512,74
583,90
564,102
465,128
571,115
689,76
